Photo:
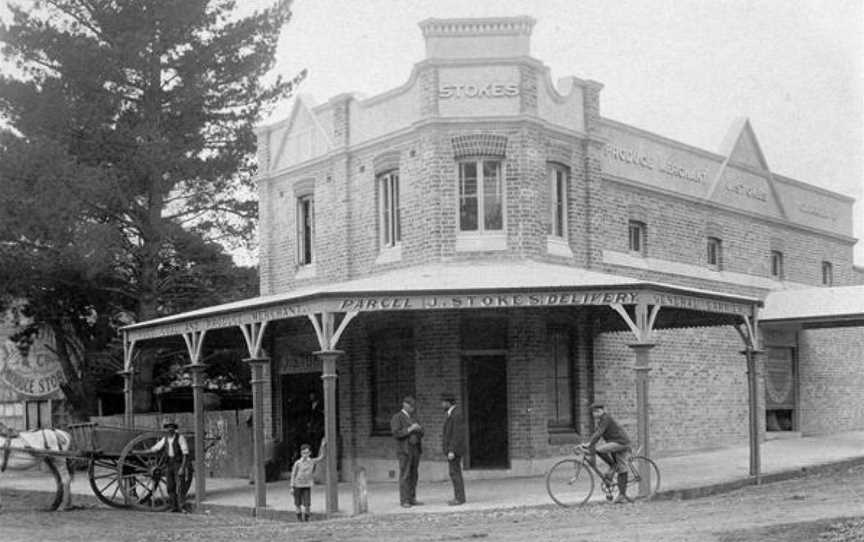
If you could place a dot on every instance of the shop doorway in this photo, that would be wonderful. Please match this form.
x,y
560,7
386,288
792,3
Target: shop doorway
x,y
781,389
302,413
486,411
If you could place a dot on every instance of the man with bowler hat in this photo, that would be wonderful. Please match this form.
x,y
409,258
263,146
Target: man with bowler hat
x,y
453,442
408,434
174,446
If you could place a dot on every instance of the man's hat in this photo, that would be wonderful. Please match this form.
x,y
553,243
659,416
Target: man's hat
x,y
169,425
595,406
410,400
449,397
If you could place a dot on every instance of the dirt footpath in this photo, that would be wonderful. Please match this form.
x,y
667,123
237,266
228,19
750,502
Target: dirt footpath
x,y
807,509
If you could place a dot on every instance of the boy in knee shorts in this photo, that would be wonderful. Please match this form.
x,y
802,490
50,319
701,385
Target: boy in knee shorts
x,y
302,479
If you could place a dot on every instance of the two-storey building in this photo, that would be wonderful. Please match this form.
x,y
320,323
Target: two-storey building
x,y
485,231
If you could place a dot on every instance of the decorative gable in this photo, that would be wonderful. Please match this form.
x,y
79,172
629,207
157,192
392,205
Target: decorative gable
x,y
299,139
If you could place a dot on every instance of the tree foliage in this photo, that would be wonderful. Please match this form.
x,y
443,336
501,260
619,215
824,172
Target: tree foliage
x,y
127,158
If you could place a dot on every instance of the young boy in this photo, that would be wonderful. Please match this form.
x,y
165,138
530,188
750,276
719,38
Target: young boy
x,y
302,479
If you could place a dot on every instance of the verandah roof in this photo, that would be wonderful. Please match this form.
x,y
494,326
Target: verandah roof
x,y
456,285
839,304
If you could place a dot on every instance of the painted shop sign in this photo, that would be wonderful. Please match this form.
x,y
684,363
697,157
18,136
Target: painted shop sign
x,y
370,303
747,191
815,210
480,90
31,370
663,164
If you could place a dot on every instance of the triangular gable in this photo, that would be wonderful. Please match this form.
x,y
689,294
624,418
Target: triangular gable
x,y
750,187
743,147
300,138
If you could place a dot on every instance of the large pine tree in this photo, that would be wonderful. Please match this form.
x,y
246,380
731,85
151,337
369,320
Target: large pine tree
x,y
127,152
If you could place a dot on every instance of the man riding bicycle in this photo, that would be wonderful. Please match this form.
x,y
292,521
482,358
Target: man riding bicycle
x,y
613,451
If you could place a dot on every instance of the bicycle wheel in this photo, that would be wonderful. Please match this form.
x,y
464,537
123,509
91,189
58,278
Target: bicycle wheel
x,y
570,483
644,479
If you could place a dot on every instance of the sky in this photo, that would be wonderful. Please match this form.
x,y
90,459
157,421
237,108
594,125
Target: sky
x,y
684,69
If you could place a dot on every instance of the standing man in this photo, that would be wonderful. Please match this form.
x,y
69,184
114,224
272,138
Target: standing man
x,y
453,441
175,447
408,434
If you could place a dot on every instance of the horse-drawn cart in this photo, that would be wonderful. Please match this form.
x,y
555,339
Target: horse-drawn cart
x,y
122,472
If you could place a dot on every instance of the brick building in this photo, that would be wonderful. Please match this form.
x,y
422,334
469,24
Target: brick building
x,y
484,231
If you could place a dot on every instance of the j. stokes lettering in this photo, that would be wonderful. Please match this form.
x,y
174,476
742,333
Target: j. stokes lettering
x,y
491,300
488,90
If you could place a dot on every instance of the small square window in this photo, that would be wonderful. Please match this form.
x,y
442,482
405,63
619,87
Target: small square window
x,y
827,274
714,252
777,265
636,237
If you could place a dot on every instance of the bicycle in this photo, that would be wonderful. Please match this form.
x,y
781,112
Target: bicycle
x,y
570,482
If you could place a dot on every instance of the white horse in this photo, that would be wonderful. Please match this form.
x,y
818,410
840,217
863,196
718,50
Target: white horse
x,y
27,449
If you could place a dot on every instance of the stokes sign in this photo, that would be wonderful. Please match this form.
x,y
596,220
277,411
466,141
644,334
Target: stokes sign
x,y
31,370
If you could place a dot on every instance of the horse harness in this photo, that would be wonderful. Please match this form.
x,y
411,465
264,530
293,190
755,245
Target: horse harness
x,y
8,434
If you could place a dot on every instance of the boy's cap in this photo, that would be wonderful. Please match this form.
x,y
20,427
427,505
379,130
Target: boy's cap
x,y
305,447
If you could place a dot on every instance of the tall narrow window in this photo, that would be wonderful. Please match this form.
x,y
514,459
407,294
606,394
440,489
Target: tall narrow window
x,y
558,179
827,274
776,265
714,252
391,227
305,229
560,379
481,196
636,242
392,373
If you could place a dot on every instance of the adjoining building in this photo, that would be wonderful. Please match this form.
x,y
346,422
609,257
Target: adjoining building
x,y
484,231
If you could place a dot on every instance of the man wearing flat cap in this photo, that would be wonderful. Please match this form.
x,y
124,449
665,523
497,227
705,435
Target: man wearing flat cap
x,y
614,449
453,442
174,446
408,434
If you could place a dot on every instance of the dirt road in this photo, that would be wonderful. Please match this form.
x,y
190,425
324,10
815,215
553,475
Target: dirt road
x,y
807,509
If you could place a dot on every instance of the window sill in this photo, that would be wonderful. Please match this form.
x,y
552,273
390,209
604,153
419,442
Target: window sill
x,y
389,255
558,246
481,242
305,271
570,437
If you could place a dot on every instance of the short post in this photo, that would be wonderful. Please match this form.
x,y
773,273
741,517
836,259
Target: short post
x,y
197,371
328,375
258,381
361,501
642,367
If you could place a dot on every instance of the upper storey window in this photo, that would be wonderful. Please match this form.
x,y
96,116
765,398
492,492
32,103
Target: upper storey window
x,y
558,181
390,218
714,252
637,233
305,229
776,265
481,196
827,274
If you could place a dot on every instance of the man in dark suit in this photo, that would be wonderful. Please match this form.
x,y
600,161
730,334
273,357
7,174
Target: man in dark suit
x,y
408,434
453,441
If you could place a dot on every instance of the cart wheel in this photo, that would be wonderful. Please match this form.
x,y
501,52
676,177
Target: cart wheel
x,y
106,482
142,474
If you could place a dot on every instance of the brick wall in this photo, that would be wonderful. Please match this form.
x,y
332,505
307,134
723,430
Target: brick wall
x,y
831,380
697,387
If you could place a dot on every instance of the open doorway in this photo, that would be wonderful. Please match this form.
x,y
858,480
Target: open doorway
x,y
486,410
302,413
